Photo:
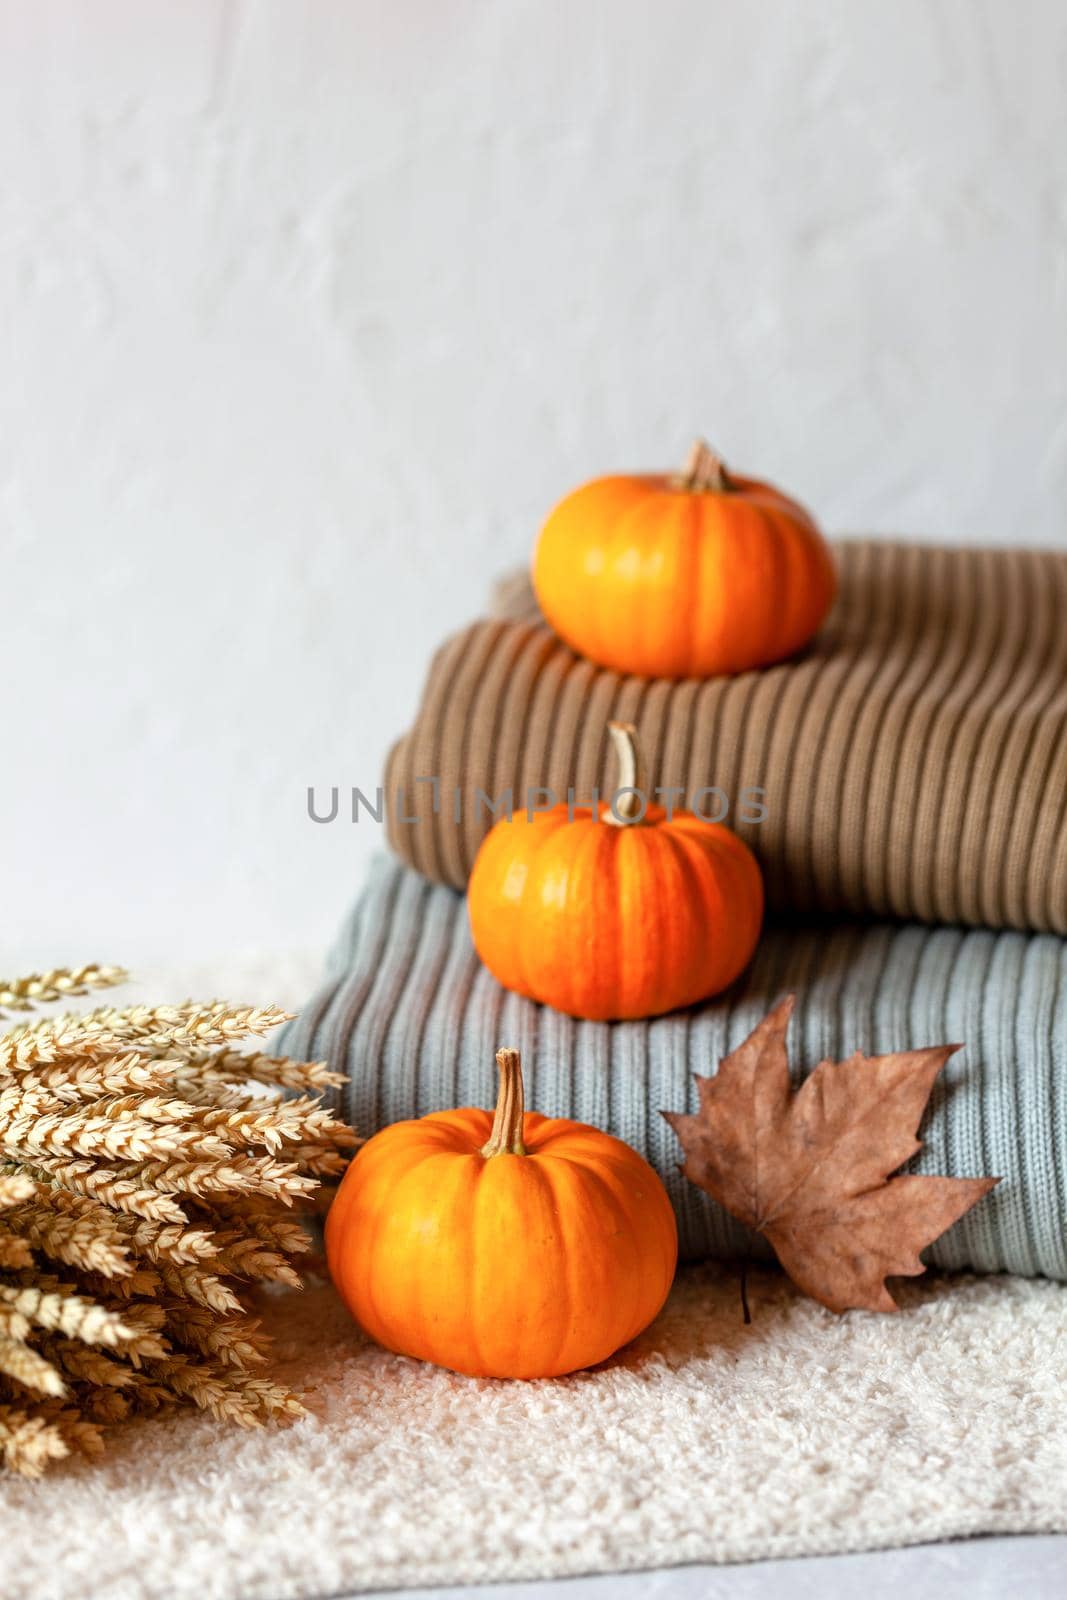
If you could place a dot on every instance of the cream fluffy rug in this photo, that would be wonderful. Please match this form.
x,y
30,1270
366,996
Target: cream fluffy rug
x,y
705,1440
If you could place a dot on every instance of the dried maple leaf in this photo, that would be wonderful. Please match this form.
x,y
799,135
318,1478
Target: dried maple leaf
x,y
810,1169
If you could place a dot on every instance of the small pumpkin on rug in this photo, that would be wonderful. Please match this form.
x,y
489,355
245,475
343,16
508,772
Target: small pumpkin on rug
x,y
684,575
615,911
504,1246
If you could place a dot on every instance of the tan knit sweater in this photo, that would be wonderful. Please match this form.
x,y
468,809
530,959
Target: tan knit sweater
x,y
913,761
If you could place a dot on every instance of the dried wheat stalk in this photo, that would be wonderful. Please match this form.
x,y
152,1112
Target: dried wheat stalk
x,y
150,1174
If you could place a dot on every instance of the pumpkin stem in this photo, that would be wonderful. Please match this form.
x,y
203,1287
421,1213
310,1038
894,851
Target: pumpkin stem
x,y
506,1136
703,471
633,799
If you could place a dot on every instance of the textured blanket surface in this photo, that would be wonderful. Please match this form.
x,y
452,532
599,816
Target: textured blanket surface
x,y
703,1441
913,761
414,1018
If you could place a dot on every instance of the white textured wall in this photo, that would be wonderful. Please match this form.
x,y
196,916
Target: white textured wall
x,y
310,311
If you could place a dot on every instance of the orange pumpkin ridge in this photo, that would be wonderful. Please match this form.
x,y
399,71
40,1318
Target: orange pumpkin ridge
x,y
616,912
683,575
513,1247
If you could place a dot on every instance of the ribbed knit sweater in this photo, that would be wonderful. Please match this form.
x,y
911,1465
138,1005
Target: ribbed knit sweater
x,y
912,763
409,1012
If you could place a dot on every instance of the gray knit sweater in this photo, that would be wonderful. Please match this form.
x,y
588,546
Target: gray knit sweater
x,y
411,1015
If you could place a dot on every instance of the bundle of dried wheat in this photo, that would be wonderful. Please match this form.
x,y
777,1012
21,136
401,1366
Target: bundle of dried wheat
x,y
150,1174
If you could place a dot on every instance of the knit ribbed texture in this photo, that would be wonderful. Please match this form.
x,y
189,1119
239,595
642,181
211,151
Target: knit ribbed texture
x,y
414,1018
914,759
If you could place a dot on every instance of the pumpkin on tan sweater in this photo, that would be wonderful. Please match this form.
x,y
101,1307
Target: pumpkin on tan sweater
x,y
687,575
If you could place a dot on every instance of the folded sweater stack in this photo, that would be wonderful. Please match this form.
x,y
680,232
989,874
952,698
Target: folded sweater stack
x,y
913,765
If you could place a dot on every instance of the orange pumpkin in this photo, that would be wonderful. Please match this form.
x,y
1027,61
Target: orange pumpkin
x,y
683,576
615,911
514,1246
